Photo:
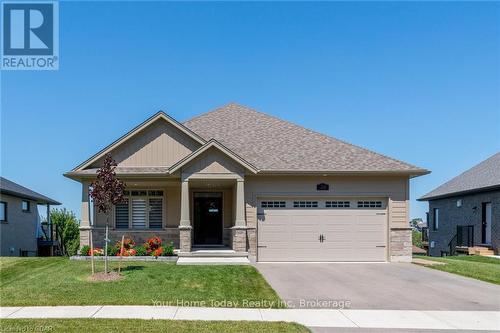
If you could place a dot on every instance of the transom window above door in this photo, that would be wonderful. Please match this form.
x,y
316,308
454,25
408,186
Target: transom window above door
x,y
142,209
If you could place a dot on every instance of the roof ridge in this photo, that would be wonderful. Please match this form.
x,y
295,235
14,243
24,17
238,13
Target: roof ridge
x,y
315,132
209,112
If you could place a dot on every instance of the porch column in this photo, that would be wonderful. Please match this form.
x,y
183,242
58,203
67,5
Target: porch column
x,y
239,229
85,223
185,223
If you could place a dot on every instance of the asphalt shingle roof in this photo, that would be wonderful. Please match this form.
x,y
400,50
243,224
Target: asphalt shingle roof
x,y
485,175
272,144
11,188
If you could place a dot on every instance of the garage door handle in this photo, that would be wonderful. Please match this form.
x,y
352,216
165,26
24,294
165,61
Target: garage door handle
x,y
262,246
380,246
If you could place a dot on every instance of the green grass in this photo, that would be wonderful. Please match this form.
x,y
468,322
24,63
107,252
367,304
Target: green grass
x,y
137,325
477,267
59,281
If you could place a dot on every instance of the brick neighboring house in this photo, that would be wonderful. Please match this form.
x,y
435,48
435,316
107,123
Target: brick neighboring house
x,y
470,199
19,234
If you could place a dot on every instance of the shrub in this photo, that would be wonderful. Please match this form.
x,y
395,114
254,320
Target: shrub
x,y
417,238
67,226
141,250
85,250
113,250
158,252
168,250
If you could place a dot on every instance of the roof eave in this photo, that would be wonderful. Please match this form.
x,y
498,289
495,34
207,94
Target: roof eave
x,y
409,173
39,200
458,193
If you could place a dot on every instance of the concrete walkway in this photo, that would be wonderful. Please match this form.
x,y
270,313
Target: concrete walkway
x,y
390,319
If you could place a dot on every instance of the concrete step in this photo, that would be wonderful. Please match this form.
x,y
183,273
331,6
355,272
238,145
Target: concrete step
x,y
213,254
213,261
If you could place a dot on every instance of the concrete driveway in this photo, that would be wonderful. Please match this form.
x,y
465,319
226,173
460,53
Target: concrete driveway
x,y
391,286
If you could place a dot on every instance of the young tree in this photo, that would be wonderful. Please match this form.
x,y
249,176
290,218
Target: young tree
x,y
106,191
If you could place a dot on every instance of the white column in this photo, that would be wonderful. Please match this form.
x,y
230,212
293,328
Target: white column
x,y
85,205
185,221
240,204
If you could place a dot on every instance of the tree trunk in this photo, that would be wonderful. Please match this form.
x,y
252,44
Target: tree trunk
x,y
92,253
106,251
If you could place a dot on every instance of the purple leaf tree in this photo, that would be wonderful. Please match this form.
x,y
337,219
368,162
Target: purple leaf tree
x,y
107,191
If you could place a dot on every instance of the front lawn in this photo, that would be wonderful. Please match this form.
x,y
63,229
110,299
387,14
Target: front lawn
x,y
477,267
60,281
137,325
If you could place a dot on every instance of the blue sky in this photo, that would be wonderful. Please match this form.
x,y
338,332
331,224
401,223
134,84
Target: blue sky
x,y
416,81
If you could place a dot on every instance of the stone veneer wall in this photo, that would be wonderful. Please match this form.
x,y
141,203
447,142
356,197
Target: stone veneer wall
x,y
400,245
166,235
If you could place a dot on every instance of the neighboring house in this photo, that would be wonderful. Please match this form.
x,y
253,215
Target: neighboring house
x,y
467,207
242,179
19,220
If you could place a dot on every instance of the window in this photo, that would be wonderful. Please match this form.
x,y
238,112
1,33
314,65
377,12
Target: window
x,y
142,209
25,206
337,204
122,215
273,204
3,211
459,203
369,204
305,204
435,225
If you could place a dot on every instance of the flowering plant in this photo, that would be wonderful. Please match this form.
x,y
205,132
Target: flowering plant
x,y
153,244
98,251
128,243
158,252
127,252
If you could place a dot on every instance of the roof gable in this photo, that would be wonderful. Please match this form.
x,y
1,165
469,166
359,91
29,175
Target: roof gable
x,y
213,144
144,142
483,176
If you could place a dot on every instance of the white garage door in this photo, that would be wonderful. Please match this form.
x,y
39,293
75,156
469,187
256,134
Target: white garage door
x,y
322,230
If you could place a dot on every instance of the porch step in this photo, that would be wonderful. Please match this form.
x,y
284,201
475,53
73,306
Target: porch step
x,y
213,261
481,251
207,253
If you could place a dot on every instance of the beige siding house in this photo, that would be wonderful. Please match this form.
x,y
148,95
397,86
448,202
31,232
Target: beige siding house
x,y
265,188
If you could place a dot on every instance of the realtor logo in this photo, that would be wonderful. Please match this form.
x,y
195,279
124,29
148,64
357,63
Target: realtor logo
x,y
30,38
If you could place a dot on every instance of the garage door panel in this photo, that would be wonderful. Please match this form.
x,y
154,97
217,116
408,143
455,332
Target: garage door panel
x,y
292,234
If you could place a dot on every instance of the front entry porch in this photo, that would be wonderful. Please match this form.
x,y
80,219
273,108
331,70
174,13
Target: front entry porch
x,y
212,218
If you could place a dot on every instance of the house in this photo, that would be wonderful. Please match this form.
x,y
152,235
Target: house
x,y
261,186
20,232
465,211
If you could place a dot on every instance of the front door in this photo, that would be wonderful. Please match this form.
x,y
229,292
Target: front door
x,y
486,223
207,218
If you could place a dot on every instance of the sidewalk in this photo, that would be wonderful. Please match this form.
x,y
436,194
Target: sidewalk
x,y
407,319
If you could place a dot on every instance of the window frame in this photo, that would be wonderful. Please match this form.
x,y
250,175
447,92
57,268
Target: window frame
x,y
305,204
128,195
337,204
28,205
5,205
273,204
435,219
368,204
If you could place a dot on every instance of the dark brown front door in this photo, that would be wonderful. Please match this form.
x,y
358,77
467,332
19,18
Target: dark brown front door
x,y
207,218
